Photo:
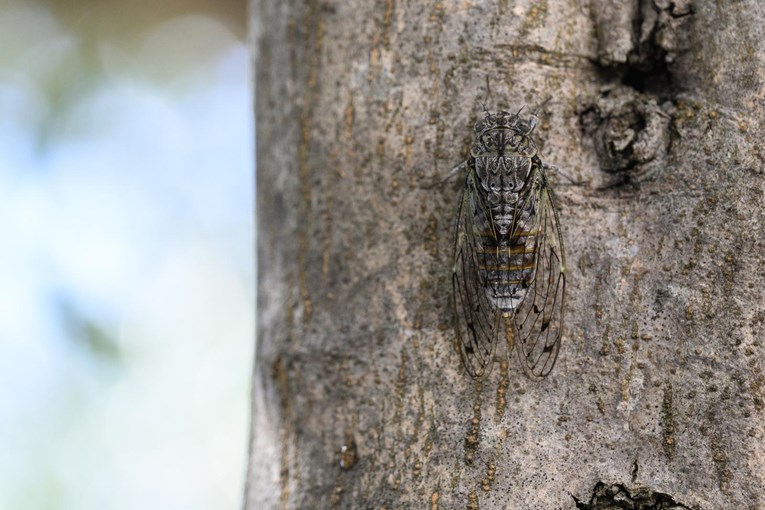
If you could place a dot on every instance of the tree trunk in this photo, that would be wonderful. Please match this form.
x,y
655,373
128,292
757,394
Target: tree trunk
x,y
653,109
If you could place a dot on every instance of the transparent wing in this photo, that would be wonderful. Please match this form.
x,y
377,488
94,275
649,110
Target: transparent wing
x,y
539,318
477,321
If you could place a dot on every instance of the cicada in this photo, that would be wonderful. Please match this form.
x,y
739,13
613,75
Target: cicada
x,y
509,267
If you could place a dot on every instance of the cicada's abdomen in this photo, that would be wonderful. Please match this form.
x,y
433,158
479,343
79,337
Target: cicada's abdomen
x,y
507,257
508,268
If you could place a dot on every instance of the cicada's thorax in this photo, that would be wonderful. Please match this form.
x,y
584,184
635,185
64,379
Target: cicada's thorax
x,y
503,182
506,171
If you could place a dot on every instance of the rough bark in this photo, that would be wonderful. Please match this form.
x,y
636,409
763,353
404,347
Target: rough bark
x,y
654,109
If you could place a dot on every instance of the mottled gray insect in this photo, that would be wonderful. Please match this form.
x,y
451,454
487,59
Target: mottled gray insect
x,y
509,266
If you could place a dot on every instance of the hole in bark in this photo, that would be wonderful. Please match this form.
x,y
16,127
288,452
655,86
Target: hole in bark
x,y
660,31
653,80
647,70
659,35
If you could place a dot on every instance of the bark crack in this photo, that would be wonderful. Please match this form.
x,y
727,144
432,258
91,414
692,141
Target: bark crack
x,y
618,496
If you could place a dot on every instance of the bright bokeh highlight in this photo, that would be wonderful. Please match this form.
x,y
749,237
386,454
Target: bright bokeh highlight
x,y
126,268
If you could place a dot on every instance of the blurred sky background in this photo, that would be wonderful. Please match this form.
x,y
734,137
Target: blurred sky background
x,y
126,254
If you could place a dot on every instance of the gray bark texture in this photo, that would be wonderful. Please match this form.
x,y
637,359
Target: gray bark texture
x,y
654,109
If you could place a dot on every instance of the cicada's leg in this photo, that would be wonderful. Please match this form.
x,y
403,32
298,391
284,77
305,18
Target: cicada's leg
x,y
454,171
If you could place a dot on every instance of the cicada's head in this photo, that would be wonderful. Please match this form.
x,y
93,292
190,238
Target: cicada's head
x,y
504,134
